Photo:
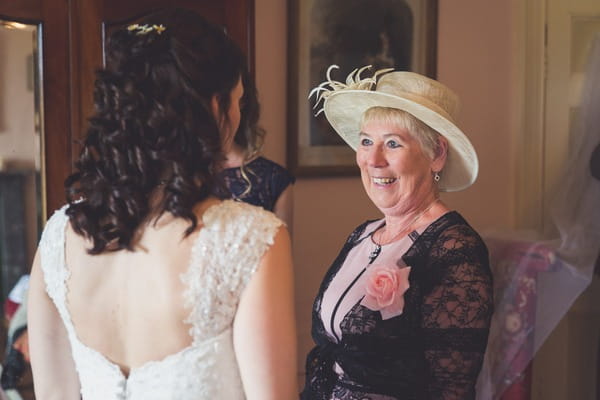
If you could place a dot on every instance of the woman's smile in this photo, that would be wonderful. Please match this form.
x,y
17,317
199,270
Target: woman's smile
x,y
383,181
395,171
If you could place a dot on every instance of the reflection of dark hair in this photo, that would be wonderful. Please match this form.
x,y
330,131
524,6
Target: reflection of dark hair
x,y
153,127
250,136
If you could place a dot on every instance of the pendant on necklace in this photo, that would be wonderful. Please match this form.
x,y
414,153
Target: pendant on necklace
x,y
374,253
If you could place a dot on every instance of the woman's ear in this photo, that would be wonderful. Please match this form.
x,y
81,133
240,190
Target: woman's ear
x,y
440,154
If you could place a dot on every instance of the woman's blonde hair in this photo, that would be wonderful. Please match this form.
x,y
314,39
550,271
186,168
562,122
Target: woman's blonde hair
x,y
427,137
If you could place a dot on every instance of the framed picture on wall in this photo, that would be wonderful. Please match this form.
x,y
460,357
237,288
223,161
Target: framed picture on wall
x,y
400,34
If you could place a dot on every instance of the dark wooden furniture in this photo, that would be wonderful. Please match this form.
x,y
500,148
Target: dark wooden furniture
x,y
72,47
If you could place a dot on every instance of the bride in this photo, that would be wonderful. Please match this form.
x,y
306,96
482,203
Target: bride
x,y
144,285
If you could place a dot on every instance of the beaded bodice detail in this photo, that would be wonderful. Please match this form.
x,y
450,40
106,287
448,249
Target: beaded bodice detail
x,y
227,251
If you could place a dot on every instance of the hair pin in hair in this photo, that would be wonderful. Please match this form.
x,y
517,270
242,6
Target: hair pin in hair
x,y
145,29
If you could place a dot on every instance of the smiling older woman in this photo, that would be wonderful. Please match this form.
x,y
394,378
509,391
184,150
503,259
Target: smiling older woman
x,y
405,309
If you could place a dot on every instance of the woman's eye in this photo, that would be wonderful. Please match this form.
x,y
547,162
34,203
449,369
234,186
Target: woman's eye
x,y
392,144
365,142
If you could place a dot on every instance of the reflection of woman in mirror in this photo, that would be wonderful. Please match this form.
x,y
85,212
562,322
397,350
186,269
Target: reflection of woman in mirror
x,y
145,285
404,311
249,176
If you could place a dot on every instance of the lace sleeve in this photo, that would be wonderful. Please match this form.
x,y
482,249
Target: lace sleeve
x,y
456,313
260,183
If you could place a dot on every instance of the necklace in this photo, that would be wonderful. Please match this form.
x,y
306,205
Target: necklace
x,y
373,255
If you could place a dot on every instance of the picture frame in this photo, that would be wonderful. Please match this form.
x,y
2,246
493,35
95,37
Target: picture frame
x,y
401,34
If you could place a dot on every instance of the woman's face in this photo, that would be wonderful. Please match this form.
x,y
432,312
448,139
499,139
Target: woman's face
x,y
230,121
396,173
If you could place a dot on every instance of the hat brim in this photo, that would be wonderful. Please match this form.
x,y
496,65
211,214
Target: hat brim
x,y
344,110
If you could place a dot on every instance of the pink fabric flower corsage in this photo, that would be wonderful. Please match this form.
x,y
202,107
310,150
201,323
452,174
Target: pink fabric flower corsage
x,y
385,289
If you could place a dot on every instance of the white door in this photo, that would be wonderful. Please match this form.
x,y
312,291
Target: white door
x,y
566,365
571,26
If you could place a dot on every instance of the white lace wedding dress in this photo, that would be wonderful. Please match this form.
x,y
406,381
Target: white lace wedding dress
x,y
224,256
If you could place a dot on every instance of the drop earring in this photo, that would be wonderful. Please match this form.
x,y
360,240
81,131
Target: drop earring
x,y
436,176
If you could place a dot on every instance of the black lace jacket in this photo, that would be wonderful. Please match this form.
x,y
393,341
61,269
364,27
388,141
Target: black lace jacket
x,y
435,349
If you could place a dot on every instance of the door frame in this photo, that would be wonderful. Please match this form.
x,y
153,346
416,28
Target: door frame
x,y
529,210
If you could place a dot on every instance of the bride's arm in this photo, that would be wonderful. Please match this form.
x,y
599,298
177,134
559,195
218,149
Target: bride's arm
x,y
54,375
264,328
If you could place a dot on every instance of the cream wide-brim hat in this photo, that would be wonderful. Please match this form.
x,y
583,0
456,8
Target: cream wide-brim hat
x,y
426,99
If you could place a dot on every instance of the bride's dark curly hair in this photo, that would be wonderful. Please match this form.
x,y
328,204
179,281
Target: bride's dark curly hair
x,y
153,128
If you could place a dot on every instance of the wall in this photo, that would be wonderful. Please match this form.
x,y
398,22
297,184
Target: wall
x,y
475,59
476,50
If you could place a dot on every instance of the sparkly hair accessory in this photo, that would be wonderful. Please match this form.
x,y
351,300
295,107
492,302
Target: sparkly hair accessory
x,y
146,29
353,82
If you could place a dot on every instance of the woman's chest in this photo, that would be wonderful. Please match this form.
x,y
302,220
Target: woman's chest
x,y
370,292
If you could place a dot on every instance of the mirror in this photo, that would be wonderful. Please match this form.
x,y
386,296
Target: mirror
x,y
21,179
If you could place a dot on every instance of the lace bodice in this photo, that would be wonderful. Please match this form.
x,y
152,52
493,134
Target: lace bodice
x,y
225,255
434,349
267,181
350,281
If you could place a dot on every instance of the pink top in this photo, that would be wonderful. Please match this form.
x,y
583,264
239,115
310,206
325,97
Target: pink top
x,y
345,291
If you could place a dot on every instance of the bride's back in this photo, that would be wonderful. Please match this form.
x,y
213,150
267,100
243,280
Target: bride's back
x,y
129,305
113,325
